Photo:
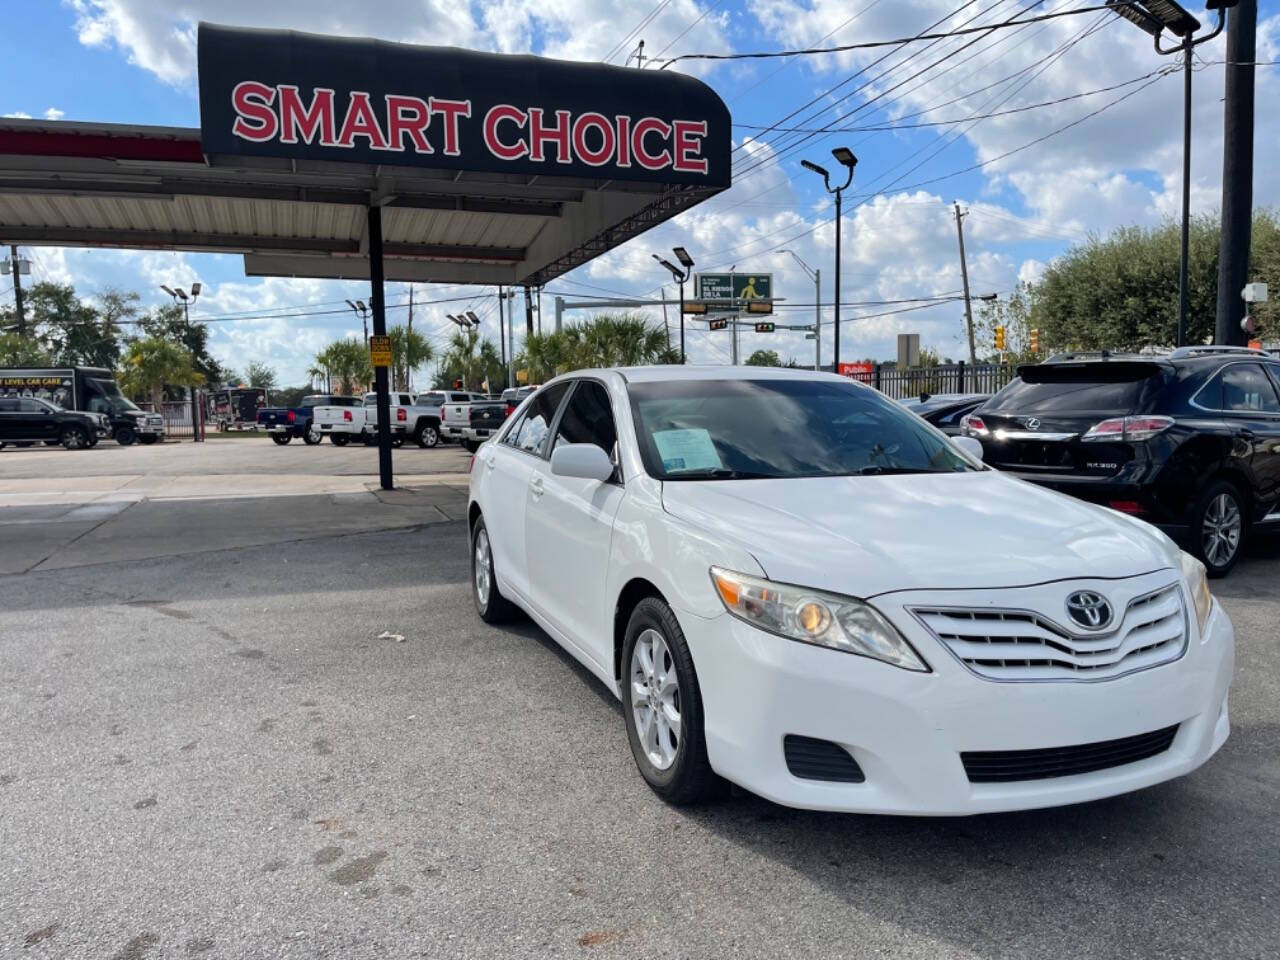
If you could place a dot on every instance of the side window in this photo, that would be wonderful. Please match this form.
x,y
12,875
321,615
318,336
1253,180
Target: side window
x,y
27,405
532,434
1246,389
370,401
509,438
588,418
8,405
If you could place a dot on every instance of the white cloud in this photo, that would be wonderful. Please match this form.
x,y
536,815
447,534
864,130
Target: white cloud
x,y
17,115
53,113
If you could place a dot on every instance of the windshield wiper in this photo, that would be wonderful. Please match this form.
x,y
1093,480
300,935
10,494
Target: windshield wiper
x,y
722,473
876,471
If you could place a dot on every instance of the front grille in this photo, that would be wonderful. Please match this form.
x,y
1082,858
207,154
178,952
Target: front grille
x,y
1022,645
812,759
1006,766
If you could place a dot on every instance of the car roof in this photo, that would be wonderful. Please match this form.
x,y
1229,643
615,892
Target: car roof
x,y
659,373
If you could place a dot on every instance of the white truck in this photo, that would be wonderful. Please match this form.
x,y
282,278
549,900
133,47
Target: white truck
x,y
341,420
412,418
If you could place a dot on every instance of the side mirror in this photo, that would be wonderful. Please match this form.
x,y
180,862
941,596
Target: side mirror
x,y
968,445
585,461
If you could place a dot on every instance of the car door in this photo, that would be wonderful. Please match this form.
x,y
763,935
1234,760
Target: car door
x,y
1251,406
11,420
569,526
36,421
507,470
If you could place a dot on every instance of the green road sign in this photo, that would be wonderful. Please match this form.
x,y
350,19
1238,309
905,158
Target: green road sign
x,y
740,285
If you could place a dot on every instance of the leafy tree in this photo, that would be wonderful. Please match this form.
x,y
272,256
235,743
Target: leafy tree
x,y
764,358
260,375
346,366
169,322
151,363
410,350
72,331
1017,314
290,396
16,351
472,359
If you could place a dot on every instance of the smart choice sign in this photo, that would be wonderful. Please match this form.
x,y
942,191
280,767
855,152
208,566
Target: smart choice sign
x,y
286,94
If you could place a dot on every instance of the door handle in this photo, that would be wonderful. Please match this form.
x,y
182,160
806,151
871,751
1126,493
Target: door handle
x,y
490,464
535,485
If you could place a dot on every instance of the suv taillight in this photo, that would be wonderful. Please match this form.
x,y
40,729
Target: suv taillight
x,y
346,415
971,425
400,414
1128,428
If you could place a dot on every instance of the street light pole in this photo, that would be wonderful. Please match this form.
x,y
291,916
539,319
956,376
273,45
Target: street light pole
x,y
680,275
816,277
846,158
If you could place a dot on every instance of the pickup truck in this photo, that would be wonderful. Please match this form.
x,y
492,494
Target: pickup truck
x,y
474,422
409,421
341,420
285,423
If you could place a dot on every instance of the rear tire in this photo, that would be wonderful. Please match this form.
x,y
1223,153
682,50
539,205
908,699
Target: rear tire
x,y
339,439
312,435
125,436
662,707
428,436
74,438
281,439
1219,525
492,606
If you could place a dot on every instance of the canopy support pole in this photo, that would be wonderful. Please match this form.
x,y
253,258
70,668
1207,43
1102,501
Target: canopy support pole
x,y
380,329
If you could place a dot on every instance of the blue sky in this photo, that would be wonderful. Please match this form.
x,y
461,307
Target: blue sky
x,y
132,61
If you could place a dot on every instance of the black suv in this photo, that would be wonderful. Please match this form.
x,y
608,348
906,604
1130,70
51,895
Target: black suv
x,y
25,421
1188,441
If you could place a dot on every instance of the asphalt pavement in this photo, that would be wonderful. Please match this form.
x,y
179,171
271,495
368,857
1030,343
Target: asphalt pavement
x,y
316,749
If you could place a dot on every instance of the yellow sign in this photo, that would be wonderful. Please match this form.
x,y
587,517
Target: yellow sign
x,y
380,351
522,376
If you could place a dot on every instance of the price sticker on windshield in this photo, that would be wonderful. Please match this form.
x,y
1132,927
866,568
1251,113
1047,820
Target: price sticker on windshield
x,y
682,450
380,351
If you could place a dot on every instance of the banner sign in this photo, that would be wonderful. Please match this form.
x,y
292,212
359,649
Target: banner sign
x,y
274,93
863,372
733,286
380,351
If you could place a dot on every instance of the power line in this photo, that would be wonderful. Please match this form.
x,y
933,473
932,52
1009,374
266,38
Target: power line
x,y
689,27
771,54
621,44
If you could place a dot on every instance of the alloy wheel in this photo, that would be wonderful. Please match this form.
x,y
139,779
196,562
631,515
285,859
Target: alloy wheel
x,y
655,699
482,567
1220,534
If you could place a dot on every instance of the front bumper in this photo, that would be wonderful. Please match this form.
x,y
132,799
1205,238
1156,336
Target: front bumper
x,y
907,730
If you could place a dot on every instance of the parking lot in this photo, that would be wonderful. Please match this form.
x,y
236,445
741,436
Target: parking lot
x,y
228,734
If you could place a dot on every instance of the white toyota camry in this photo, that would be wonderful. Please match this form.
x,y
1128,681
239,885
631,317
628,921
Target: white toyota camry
x,y
795,585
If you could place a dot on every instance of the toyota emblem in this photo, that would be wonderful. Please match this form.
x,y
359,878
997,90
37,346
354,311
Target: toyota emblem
x,y
1033,423
1089,610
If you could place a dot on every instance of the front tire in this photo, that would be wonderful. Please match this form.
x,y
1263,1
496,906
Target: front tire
x,y
662,707
125,436
492,606
1219,526
312,435
281,439
74,438
428,436
148,439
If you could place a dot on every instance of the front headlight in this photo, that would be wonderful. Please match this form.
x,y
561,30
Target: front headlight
x,y
1198,584
814,616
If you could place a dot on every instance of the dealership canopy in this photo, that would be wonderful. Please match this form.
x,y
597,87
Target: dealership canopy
x,y
487,168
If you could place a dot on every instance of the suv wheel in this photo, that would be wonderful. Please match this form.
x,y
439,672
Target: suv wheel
x,y
125,436
1219,527
662,707
74,438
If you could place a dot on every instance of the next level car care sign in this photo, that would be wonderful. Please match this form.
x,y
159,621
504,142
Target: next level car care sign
x,y
300,96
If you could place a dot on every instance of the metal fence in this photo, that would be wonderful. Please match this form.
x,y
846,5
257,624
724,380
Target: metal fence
x,y
904,382
178,421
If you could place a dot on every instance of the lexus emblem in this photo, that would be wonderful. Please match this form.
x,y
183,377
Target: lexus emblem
x,y
1089,610
1032,423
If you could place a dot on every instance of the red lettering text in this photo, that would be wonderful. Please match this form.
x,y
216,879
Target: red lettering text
x,y
499,149
255,120
540,134
360,122
650,161
595,158
688,146
451,110
408,115
305,122
624,141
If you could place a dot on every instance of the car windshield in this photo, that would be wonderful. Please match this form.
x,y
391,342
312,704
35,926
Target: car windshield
x,y
111,391
1110,388
784,428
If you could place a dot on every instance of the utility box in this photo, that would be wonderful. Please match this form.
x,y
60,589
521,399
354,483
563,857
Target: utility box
x,y
908,350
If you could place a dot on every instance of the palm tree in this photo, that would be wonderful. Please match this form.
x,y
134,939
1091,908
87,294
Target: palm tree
x,y
154,362
318,374
606,340
474,358
346,365
409,351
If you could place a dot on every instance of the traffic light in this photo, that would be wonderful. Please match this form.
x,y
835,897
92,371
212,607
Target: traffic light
x,y
457,384
695,306
1033,341
720,324
759,306
1000,338
764,328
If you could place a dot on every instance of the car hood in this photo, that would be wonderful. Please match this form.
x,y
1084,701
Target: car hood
x,y
868,535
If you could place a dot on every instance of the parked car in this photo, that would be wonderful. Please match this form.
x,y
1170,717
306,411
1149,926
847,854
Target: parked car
x,y
473,422
794,585
87,390
26,421
514,396
407,421
945,410
285,423
341,419
1189,441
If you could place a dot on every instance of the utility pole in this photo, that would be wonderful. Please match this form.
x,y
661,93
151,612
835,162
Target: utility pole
x,y
665,325
1237,171
528,311
502,336
964,276
17,289
408,337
